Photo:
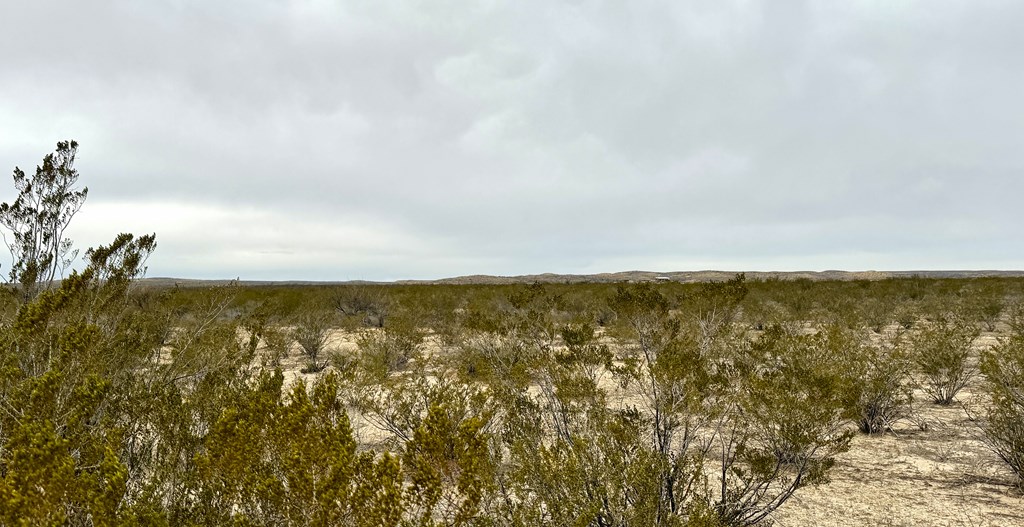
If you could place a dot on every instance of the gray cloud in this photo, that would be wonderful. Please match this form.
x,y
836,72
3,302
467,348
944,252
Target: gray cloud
x,y
369,139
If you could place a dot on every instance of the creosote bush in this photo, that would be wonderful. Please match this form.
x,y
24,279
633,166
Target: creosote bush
x,y
1003,429
722,434
880,377
367,305
312,331
391,348
942,352
273,460
38,218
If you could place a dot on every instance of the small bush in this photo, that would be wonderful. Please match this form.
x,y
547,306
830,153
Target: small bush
x,y
277,343
907,315
391,348
877,313
311,331
793,411
313,367
344,363
941,352
368,305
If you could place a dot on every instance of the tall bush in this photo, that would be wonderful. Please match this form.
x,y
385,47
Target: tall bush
x,y
942,354
1003,429
880,377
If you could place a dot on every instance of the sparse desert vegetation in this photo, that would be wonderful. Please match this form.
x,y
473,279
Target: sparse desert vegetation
x,y
731,403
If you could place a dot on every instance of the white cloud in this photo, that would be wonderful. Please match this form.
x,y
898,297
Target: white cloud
x,y
366,139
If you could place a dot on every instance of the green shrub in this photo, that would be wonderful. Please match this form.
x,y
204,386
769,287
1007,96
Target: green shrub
x,y
312,331
1003,430
273,460
941,352
368,305
881,382
277,344
68,384
38,218
391,348
450,469
794,399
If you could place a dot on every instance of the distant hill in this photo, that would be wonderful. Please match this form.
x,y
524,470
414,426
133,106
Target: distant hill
x,y
713,276
623,276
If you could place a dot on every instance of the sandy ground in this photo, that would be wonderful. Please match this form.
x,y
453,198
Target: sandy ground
x,y
942,476
932,470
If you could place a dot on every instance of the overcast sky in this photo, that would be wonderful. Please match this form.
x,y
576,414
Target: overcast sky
x,y
387,140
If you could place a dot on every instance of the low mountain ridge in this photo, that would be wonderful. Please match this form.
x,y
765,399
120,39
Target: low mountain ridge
x,y
622,276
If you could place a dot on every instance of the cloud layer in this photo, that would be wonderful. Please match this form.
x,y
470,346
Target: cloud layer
x,y
384,140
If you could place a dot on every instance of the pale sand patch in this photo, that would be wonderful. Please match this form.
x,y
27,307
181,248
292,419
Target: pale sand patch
x,y
339,341
942,475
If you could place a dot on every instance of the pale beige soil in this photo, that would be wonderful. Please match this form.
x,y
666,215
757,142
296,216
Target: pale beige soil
x,y
941,476
932,470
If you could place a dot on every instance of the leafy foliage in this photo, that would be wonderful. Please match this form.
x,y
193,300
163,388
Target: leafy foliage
x,y
1004,429
38,218
312,331
880,377
941,351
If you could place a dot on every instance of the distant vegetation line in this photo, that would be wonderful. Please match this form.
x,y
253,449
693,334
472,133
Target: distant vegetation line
x,y
624,276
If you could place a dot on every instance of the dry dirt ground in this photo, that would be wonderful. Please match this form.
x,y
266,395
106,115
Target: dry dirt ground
x,y
942,475
932,470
